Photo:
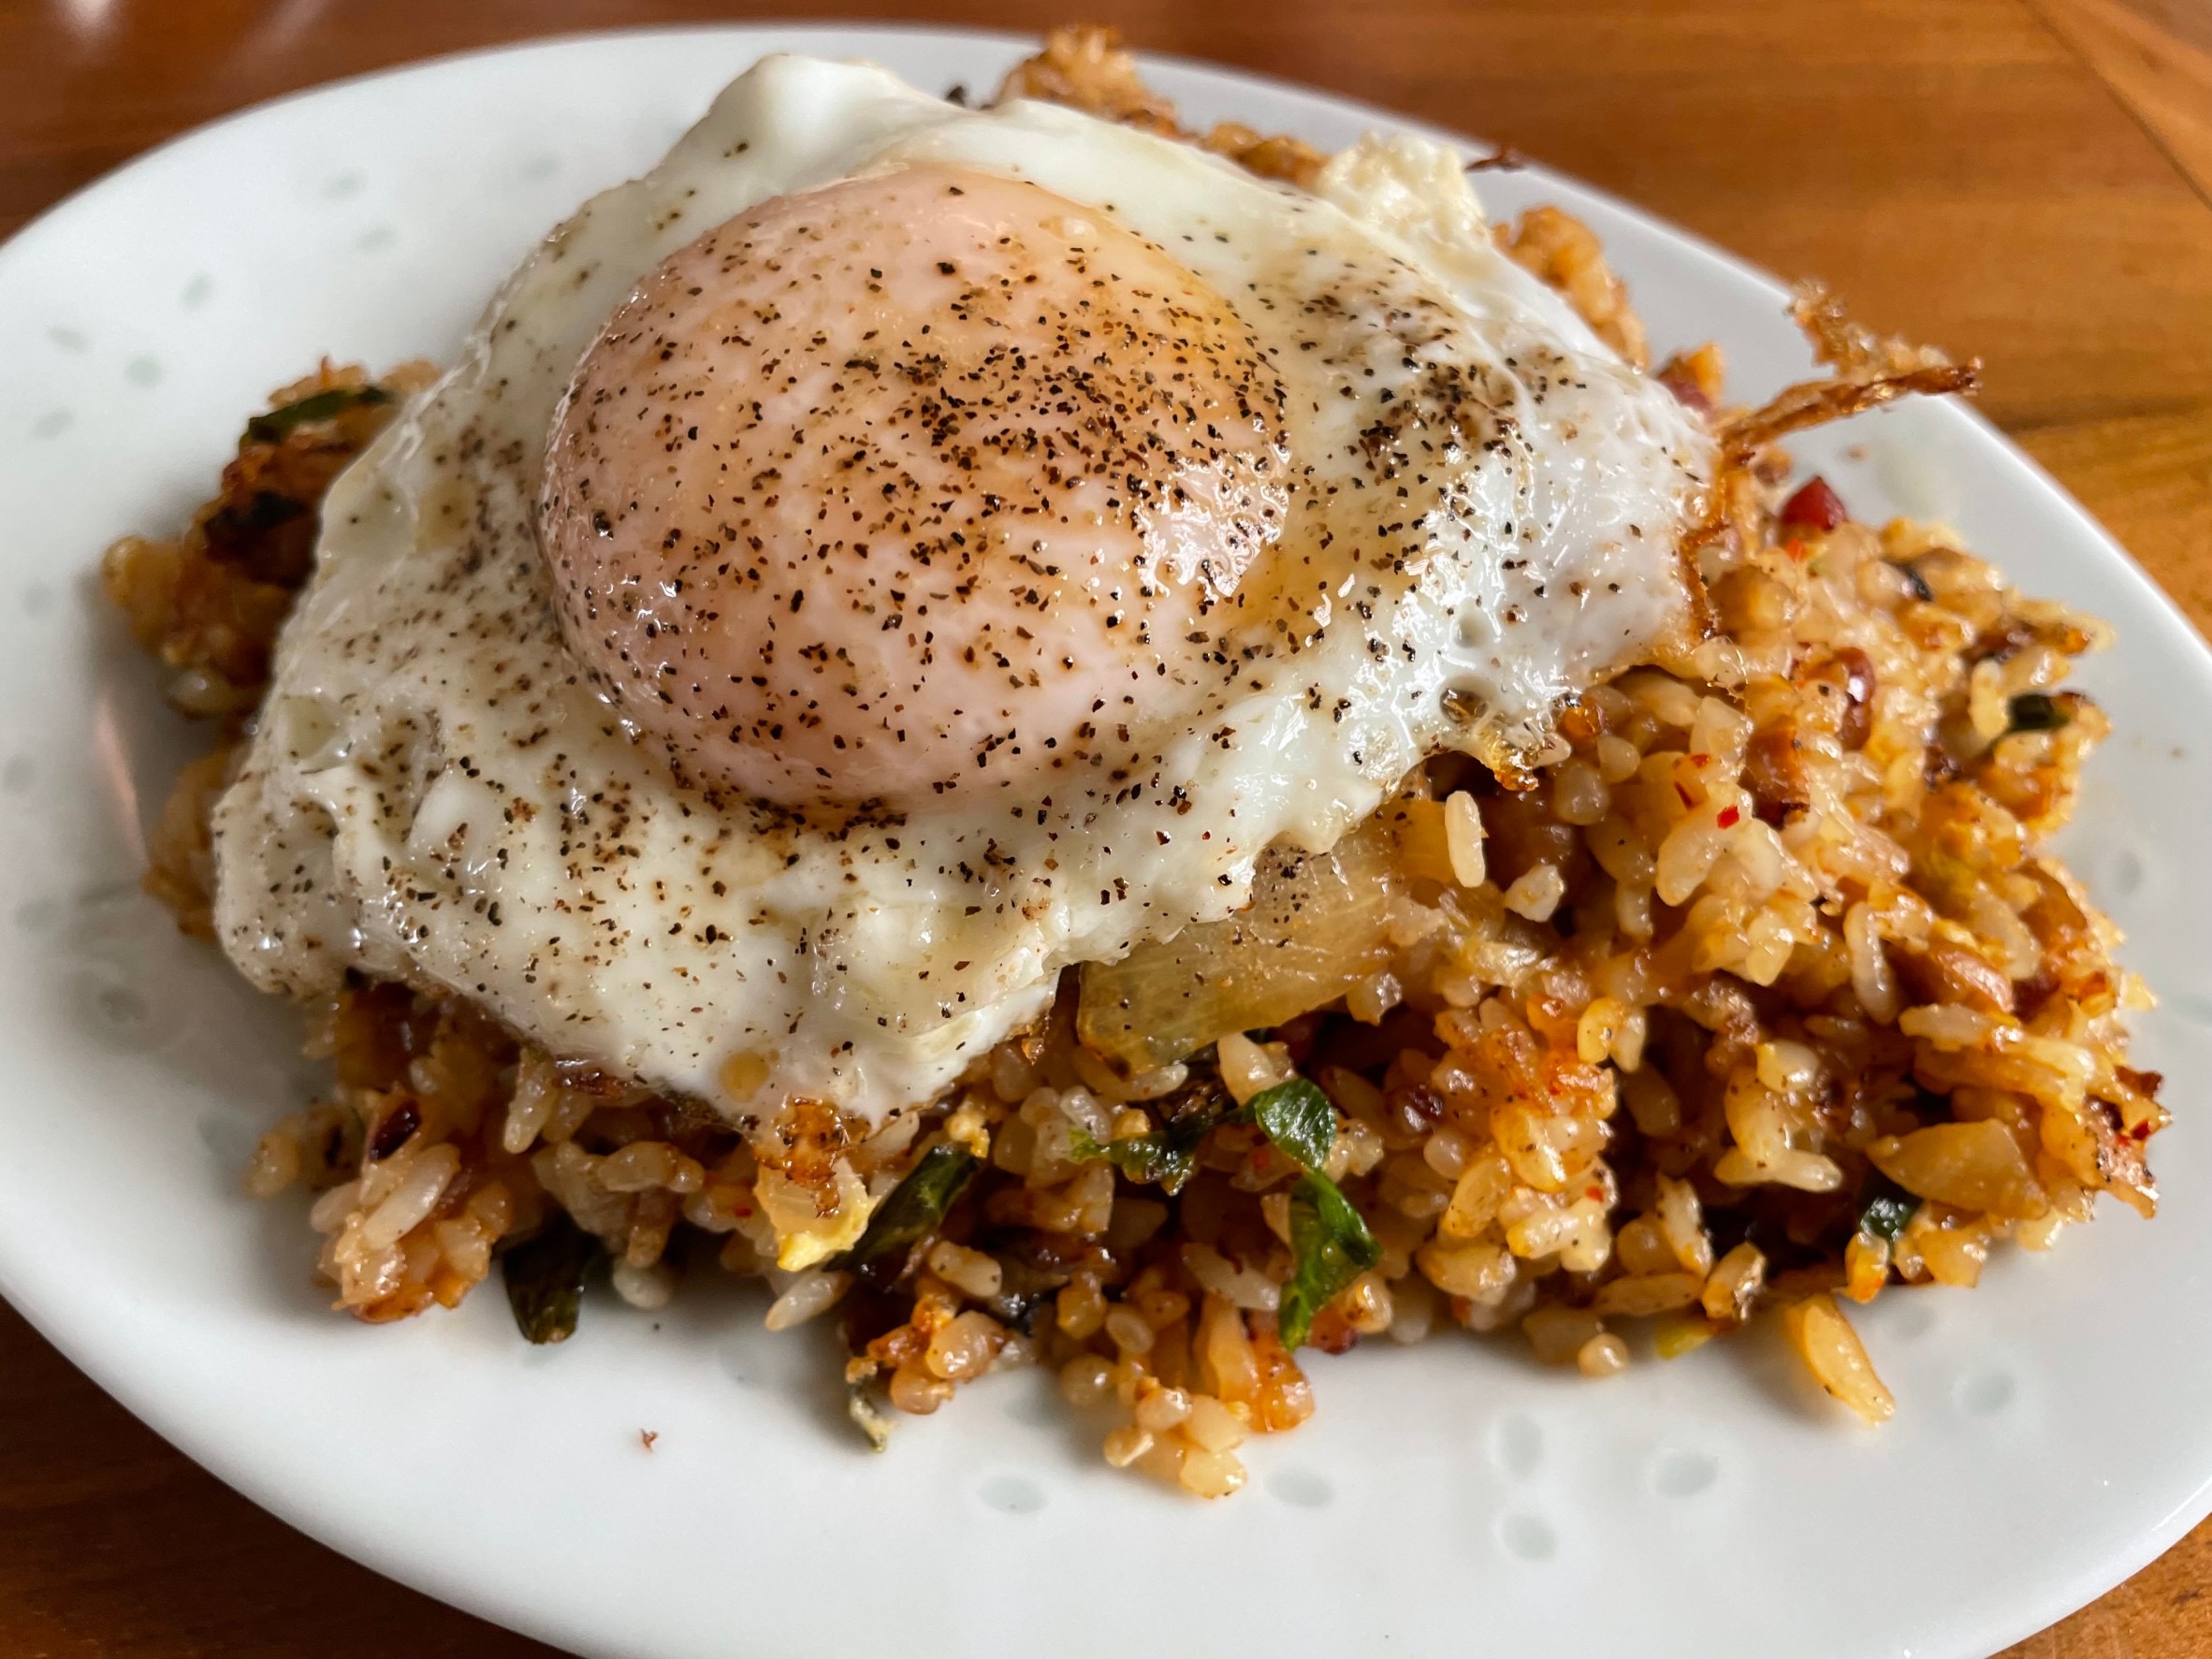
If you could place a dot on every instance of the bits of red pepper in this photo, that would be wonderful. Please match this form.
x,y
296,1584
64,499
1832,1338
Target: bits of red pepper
x,y
1815,507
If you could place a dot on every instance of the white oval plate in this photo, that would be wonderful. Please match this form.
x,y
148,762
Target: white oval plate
x,y
2052,1434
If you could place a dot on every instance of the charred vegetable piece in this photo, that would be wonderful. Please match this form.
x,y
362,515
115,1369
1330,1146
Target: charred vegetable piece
x,y
1330,1247
1318,924
329,405
394,1131
1888,1211
1330,1243
1166,1157
545,1277
2036,711
916,1207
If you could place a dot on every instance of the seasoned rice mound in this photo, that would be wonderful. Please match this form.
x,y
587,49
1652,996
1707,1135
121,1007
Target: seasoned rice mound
x,y
1758,993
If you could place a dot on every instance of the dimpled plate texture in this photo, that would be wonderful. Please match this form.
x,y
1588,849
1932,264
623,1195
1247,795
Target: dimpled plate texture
x,y
2051,1434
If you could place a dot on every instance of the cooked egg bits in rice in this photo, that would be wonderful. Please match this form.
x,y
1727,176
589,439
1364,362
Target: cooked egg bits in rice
x,y
891,552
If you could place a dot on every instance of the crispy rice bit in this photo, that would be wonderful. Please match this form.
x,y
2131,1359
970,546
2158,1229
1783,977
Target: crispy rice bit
x,y
1292,161
1565,252
1086,68
1853,351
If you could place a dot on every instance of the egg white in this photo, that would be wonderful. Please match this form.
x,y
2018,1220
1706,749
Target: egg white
x,y
434,793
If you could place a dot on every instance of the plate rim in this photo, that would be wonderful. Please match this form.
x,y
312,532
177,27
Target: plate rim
x,y
360,1541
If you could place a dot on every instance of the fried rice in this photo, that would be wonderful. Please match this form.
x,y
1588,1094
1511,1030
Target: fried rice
x,y
1760,993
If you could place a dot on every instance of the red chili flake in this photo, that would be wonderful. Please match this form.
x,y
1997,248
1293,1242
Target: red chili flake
x,y
1595,1193
1815,506
2142,1130
1729,817
1701,760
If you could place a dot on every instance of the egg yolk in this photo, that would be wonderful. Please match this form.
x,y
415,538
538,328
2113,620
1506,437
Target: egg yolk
x,y
916,486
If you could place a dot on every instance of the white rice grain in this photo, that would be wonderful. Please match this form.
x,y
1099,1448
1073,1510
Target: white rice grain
x,y
1462,838
410,1202
808,1295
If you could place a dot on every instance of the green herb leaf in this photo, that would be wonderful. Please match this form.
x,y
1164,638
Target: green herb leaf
x,y
1298,1118
1168,1155
1163,1158
2036,711
1330,1243
271,428
1330,1247
1888,1211
917,1206
544,1278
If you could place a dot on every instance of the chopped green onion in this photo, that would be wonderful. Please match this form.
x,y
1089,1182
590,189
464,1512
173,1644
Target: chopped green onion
x,y
1330,1247
271,428
544,1278
917,1206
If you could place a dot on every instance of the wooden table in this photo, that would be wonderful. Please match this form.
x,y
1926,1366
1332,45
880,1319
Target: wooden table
x,y
2027,179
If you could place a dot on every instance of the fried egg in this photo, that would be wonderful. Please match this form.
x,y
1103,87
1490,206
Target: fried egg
x,y
890,552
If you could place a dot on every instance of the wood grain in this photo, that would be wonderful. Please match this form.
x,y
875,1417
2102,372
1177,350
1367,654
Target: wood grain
x,y
2148,480
2025,180
2157,56
115,1546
